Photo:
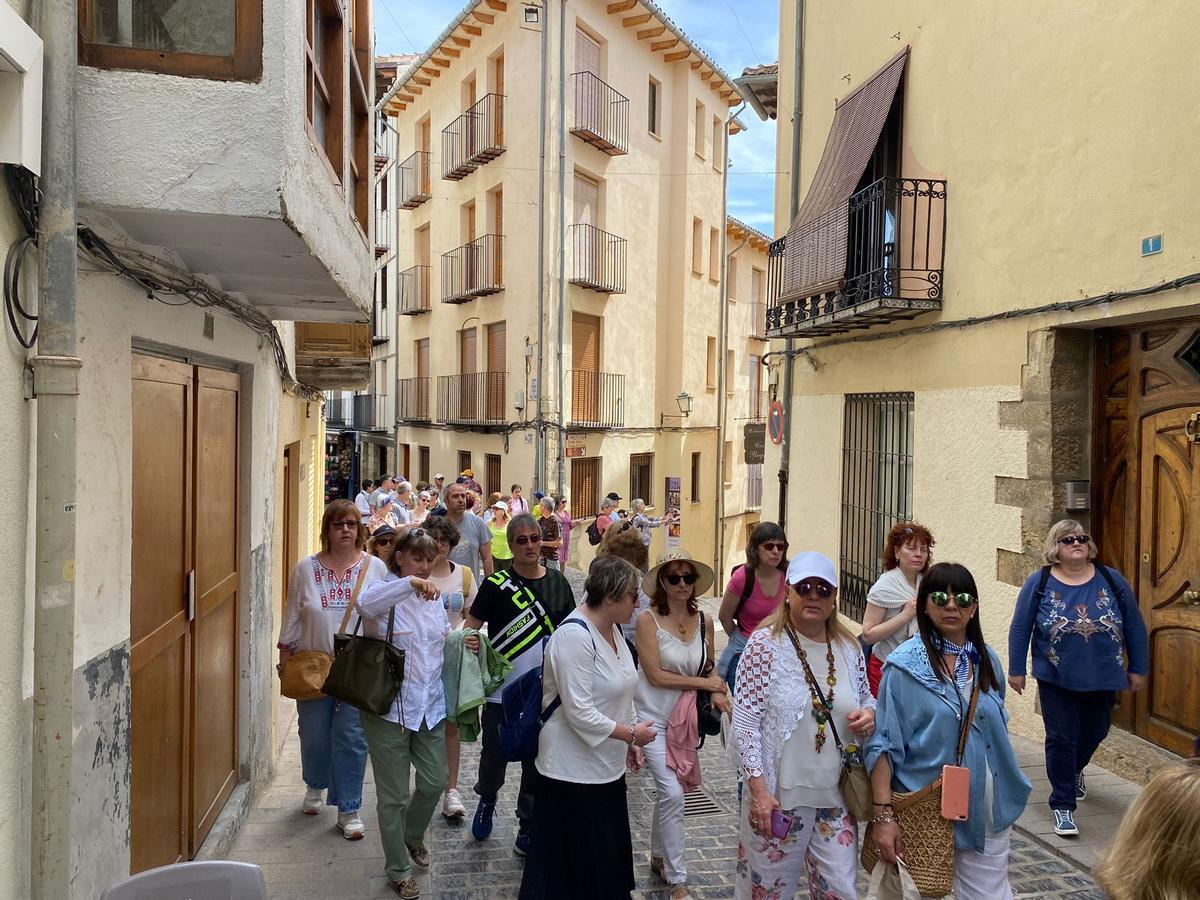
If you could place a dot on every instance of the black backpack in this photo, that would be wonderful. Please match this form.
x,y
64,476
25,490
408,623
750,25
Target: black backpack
x,y
593,533
747,588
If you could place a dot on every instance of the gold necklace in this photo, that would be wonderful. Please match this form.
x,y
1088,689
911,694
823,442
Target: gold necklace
x,y
821,710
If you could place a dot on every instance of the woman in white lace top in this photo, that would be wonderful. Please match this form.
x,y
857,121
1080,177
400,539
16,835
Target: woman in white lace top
x,y
801,675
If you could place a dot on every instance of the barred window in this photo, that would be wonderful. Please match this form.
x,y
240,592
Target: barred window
x,y
641,475
877,487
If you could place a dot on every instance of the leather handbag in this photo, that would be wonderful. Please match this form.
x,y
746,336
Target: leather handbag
x,y
367,672
854,781
708,717
928,838
306,670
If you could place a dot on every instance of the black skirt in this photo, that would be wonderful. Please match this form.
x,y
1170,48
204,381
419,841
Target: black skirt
x,y
581,845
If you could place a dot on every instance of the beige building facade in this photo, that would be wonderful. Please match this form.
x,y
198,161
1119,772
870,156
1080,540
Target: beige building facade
x,y
989,279
567,352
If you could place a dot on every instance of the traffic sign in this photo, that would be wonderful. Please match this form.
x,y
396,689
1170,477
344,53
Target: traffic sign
x,y
775,422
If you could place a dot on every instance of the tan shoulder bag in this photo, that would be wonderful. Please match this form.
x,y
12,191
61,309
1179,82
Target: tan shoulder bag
x,y
306,670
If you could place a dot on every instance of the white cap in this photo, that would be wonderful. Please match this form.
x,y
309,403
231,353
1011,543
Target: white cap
x,y
439,475
812,564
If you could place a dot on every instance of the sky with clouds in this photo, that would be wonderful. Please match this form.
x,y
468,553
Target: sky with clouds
x,y
736,33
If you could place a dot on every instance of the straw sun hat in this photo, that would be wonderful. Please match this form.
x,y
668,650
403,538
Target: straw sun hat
x,y
704,575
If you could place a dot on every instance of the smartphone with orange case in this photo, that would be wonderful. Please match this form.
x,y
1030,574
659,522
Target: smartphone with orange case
x,y
956,792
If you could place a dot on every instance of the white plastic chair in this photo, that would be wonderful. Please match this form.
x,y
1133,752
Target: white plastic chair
x,y
201,880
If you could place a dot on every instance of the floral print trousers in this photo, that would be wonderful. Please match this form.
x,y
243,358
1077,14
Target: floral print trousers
x,y
822,848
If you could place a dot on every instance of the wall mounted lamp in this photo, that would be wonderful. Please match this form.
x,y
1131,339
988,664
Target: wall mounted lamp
x,y
684,401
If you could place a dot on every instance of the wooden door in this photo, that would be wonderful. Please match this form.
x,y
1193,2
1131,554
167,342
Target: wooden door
x,y
496,367
471,251
424,167
499,90
423,378
497,248
160,634
492,468
467,387
585,366
1148,500
406,461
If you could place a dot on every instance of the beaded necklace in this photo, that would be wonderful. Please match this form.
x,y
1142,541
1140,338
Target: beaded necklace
x,y
822,708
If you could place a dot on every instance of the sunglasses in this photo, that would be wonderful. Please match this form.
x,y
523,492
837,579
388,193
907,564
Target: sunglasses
x,y
344,524
527,539
805,588
675,578
774,545
1074,539
385,541
941,599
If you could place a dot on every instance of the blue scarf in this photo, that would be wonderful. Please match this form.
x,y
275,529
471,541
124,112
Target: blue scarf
x,y
962,671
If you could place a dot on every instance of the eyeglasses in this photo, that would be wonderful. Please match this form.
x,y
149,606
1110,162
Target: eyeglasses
x,y
1075,539
385,541
775,545
527,539
676,577
805,588
347,524
941,599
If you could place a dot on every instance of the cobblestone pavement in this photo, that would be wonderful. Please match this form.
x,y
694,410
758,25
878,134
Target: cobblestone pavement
x,y
306,858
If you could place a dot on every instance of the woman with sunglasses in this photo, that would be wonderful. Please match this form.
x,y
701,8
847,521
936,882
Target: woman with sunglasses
x,y
754,591
930,684
1089,642
801,690
890,618
333,748
382,543
675,653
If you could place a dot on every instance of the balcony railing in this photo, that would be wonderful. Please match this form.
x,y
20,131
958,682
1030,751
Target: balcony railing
x,y
383,233
752,406
413,400
597,399
353,413
474,138
413,291
758,321
599,260
473,270
601,114
337,411
895,236
415,186
474,399
385,146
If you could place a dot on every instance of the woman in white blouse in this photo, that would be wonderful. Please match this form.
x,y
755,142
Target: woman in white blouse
x,y
333,749
801,669
581,844
413,732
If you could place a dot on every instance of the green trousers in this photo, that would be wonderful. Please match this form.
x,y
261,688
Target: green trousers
x,y
403,820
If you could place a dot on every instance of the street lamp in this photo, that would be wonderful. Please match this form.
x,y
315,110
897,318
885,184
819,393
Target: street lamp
x,y
684,400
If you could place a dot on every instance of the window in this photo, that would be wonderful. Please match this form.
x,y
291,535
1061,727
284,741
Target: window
x,y
729,372
324,77
406,461
697,246
717,143
695,477
727,464
714,255
464,460
731,274
585,486
652,106
699,129
383,288
756,286
710,364
491,478
877,487
641,475
423,464
218,39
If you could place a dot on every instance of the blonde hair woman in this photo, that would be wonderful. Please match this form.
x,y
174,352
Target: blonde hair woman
x,y
1156,854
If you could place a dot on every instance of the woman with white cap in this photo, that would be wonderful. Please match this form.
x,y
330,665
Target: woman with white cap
x,y
802,680
675,655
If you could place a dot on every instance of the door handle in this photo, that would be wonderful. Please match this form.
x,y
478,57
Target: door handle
x,y
1191,428
1192,597
191,595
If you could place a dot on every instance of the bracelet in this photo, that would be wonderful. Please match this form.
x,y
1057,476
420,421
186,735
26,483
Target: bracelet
x,y
887,804
884,818
632,737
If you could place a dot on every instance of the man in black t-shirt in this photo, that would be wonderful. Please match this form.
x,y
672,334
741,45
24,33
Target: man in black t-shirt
x,y
519,607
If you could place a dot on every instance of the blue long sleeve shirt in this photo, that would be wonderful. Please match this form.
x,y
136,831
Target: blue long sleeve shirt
x,y
1084,639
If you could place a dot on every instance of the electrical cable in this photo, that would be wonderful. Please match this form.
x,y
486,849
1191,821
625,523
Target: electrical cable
x,y
22,187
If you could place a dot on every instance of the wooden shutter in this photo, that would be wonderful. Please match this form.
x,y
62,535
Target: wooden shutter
x,y
585,486
467,355
585,343
587,53
492,474
587,201
496,367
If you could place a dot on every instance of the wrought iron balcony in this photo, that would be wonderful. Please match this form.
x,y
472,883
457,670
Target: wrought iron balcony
x,y
412,400
383,233
477,398
894,236
413,291
337,411
473,270
758,321
355,413
599,260
601,114
415,186
474,138
597,399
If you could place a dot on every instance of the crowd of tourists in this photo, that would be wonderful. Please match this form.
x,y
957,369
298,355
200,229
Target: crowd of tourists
x,y
887,750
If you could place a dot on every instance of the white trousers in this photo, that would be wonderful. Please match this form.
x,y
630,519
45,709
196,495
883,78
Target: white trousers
x,y
666,827
983,876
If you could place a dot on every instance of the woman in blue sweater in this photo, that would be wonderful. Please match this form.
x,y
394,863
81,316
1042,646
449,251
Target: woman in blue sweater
x,y
1089,641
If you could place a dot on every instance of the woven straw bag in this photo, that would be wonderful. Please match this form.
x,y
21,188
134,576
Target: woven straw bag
x,y
928,838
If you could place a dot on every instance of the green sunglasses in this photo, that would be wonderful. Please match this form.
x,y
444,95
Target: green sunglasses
x,y
942,599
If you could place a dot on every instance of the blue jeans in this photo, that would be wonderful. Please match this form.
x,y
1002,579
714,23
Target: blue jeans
x,y
728,662
1076,724
333,750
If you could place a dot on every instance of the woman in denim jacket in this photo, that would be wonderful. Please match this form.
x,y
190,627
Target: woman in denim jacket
x,y
926,690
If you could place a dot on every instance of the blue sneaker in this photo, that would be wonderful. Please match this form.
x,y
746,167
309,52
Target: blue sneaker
x,y
1064,823
481,825
523,844
1080,787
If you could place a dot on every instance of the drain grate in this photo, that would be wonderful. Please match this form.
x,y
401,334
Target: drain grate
x,y
697,803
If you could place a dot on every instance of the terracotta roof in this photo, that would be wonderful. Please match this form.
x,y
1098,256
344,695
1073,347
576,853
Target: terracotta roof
x,y
750,231
760,86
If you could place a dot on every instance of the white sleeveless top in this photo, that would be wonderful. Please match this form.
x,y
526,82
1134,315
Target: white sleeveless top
x,y
674,655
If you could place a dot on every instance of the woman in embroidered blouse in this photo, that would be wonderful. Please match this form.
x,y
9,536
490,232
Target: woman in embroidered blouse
x,y
890,618
333,749
925,693
1089,642
801,654
672,648
413,731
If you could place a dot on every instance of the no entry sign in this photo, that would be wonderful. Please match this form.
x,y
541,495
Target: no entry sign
x,y
775,422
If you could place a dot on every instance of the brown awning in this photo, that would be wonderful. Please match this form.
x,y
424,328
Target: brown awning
x,y
815,253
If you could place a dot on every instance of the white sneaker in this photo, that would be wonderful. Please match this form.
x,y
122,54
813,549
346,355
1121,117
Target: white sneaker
x,y
452,805
314,799
352,826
